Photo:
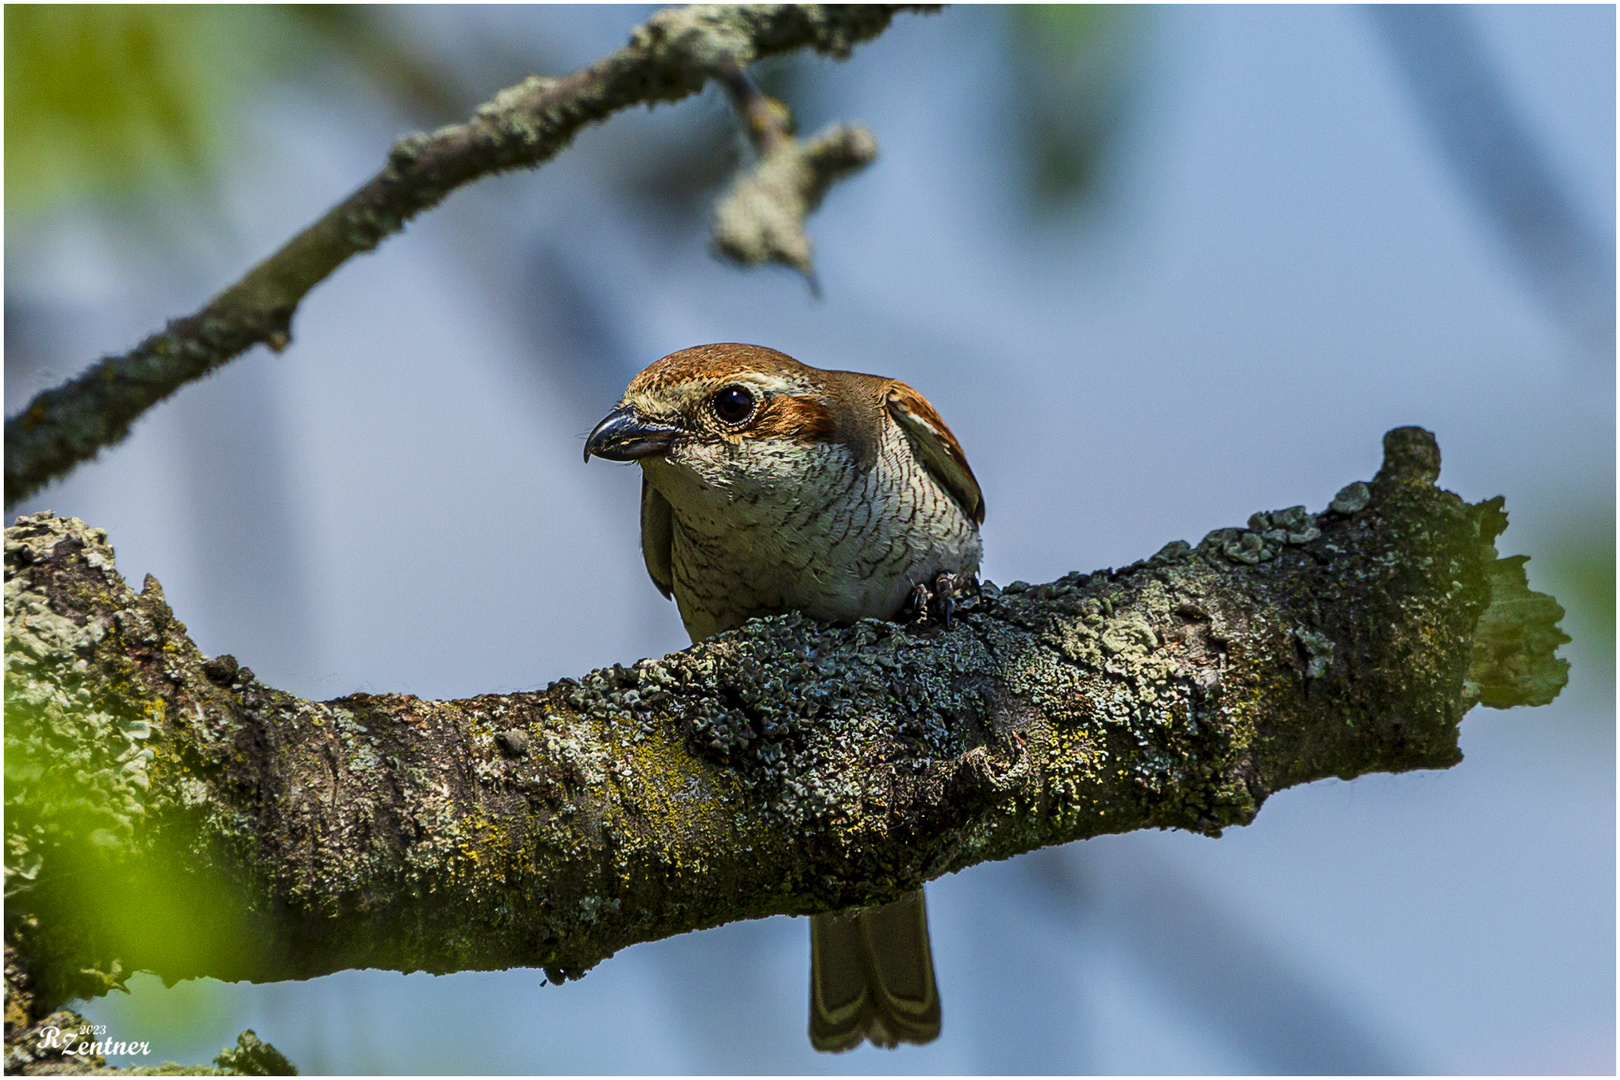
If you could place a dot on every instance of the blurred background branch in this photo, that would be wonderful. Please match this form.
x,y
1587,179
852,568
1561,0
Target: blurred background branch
x,y
1564,257
671,56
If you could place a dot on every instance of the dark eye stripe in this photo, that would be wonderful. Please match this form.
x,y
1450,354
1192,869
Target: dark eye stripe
x,y
802,419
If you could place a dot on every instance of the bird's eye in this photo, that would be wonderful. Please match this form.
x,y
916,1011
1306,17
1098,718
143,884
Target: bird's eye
x,y
733,404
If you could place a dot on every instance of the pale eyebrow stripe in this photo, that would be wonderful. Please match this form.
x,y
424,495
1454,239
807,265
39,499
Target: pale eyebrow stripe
x,y
775,384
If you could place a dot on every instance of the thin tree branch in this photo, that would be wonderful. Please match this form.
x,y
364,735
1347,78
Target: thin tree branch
x,y
171,813
761,216
769,123
669,57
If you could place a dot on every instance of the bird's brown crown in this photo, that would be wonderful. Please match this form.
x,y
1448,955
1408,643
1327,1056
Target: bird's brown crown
x,y
716,363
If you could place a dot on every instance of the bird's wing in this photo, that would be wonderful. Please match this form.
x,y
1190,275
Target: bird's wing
x,y
936,447
657,537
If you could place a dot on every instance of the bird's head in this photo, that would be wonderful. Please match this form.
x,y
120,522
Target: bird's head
x,y
722,423
728,418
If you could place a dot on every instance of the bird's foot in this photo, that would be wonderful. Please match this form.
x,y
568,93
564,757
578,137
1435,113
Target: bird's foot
x,y
915,609
936,599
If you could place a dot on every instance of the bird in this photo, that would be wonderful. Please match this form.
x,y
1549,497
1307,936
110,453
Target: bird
x,y
771,486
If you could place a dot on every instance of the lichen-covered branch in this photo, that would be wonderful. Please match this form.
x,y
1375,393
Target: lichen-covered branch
x,y
761,216
169,812
669,57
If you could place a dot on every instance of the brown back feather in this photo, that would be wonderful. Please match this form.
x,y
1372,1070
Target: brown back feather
x,y
936,447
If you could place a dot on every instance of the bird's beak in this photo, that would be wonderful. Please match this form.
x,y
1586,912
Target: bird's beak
x,y
624,436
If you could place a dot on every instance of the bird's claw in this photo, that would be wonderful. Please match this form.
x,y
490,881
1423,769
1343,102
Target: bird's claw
x,y
915,609
944,599
936,599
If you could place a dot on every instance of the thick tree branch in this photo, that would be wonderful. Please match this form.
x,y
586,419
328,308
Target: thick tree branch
x,y
171,813
669,57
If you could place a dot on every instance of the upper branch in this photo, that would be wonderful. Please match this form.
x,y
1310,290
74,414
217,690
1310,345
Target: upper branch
x,y
170,812
761,217
669,57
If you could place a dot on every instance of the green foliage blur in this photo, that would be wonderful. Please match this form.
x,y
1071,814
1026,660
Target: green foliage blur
x,y
1581,565
117,103
1072,64
83,883
106,101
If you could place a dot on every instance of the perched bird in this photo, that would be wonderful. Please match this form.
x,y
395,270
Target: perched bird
x,y
771,486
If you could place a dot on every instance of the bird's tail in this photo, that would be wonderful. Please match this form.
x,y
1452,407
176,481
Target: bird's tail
x,y
872,977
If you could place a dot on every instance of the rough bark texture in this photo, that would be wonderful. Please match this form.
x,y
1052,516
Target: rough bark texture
x,y
670,56
169,812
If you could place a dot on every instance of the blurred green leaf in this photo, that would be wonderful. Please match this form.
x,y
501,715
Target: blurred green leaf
x,y
170,1015
1063,31
111,102
1581,564
106,100
1071,63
